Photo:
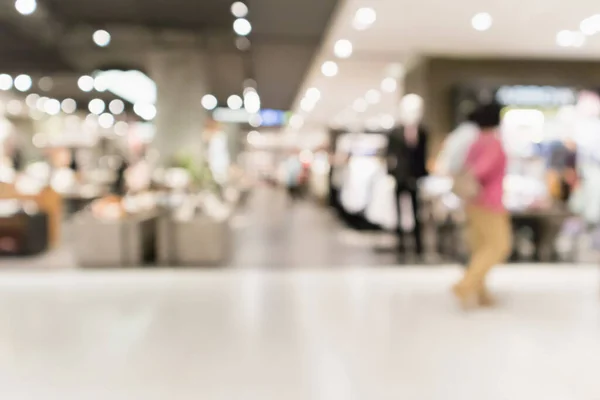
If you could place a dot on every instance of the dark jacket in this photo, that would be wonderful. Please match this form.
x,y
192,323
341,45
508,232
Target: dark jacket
x,y
407,163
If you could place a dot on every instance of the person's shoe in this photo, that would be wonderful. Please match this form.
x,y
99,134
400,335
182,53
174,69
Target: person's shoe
x,y
467,298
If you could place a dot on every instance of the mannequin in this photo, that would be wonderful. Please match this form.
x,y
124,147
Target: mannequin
x,y
407,159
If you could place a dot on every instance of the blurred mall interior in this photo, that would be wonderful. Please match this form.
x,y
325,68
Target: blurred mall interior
x,y
200,199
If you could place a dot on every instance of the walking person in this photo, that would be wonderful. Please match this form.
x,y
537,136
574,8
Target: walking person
x,y
488,223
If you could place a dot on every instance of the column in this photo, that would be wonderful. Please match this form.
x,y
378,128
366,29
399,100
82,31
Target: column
x,y
181,81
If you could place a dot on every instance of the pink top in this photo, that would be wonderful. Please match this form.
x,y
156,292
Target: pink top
x,y
486,160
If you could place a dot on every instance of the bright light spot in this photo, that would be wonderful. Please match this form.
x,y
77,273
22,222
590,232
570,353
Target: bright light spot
x,y
91,121
239,9
360,105
121,128
14,107
364,18
209,102
96,106
40,104
23,83
235,102
52,107
26,7
251,101
101,38
69,106
307,104
590,26
46,84
329,68
31,100
373,96
116,106
144,110
6,82
387,121
253,137
100,83
255,120
568,38
86,83
242,27
313,94
482,21
343,48
389,85
106,121
296,121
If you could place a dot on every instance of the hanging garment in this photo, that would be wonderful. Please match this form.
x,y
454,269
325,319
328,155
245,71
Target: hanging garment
x,y
358,182
382,208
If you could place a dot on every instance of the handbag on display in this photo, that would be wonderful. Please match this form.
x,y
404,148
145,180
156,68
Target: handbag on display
x,y
465,186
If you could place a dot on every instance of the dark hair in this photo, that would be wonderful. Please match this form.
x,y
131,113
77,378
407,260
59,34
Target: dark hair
x,y
487,116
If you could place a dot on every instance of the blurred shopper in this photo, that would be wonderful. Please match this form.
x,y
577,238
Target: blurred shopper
x,y
452,157
488,223
293,175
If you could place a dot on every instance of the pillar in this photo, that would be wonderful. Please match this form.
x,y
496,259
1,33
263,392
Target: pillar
x,y
181,81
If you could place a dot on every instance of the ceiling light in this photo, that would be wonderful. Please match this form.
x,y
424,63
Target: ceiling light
x,y
343,48
69,106
235,102
14,107
364,18
116,106
329,68
313,94
23,83
239,9
101,38
255,120
100,83
360,105
373,96
482,21
566,38
145,110
86,83
46,84
26,7
307,104
31,100
590,26
40,104
106,120
389,85
52,107
6,82
96,106
242,43
209,102
251,101
387,121
242,26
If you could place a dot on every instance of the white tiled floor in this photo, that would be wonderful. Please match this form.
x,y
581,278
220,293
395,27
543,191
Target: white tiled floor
x,y
344,334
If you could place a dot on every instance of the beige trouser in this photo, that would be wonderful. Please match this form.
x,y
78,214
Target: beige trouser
x,y
489,235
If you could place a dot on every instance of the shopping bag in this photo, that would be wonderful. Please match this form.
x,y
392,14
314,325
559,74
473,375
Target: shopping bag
x,y
382,208
465,186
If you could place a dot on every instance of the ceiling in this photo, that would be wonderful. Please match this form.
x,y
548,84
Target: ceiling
x,y
406,31
57,41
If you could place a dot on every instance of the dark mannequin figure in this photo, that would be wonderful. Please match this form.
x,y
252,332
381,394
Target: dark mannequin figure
x,y
407,158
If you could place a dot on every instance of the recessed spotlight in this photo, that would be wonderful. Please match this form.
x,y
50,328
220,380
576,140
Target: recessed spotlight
x,y
343,48
235,102
313,94
239,9
101,38
96,106
360,105
31,100
52,107
251,101
106,120
242,43
389,85
26,7
116,106
86,83
373,96
590,26
209,102
482,21
566,38
69,106
46,84
6,82
145,110
100,84
307,104
255,120
242,26
364,18
329,68
23,83
40,104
